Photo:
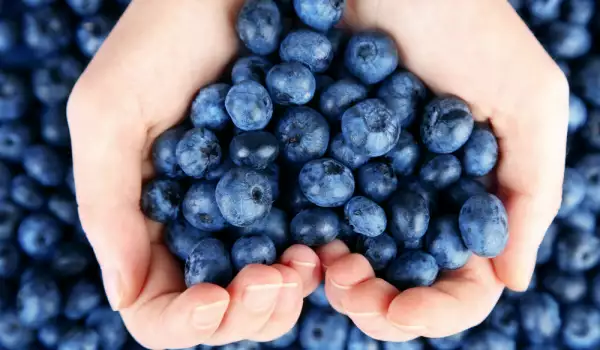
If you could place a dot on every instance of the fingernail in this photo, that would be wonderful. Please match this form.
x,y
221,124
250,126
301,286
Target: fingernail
x,y
338,286
408,328
208,316
113,288
303,264
259,298
362,314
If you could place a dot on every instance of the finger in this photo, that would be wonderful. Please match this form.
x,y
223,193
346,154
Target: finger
x,y
288,307
470,292
343,275
331,252
307,265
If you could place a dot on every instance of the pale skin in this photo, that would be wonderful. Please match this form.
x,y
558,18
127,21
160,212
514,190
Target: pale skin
x,y
160,53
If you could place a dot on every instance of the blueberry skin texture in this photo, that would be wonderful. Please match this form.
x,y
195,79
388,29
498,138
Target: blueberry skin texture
x,y
309,48
546,249
54,128
253,68
259,26
209,262
447,125
249,105
303,135
53,81
109,326
200,209
589,167
10,260
315,227
340,96
591,130
85,7
587,80
208,108
291,83
365,216
404,94
567,41
578,11
91,34
164,156
573,192
38,301
340,151
578,113
565,287
447,343
483,224
480,153
14,139
323,329
405,155
445,244
412,268
440,171
370,128
82,298
357,340
80,338
321,15
13,97
160,199
254,149
377,181
46,30
488,339
70,259
409,216
577,251
326,182
27,193
248,250
181,237
542,11
371,57
44,165
13,334
38,235
10,217
63,207
380,251
540,317
581,327
197,151
505,318
244,196
275,226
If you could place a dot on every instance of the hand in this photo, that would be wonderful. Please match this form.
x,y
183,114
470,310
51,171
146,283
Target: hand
x,y
139,84
482,52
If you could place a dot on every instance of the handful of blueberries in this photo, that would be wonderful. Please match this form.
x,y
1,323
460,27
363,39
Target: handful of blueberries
x,y
316,136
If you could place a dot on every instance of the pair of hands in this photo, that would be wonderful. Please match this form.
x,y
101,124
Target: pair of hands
x,y
141,82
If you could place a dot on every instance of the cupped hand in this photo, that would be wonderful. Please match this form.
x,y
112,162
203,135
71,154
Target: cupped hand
x,y
139,84
482,52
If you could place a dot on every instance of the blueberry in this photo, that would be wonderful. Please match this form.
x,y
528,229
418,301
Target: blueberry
x,y
404,94
286,341
542,11
63,207
53,81
39,234
44,164
405,155
326,182
297,200
272,174
215,173
365,216
315,227
589,167
49,335
462,190
257,249
209,262
38,301
480,153
357,340
13,96
564,67
447,125
340,151
415,344
587,80
254,149
303,135
200,209
46,30
318,297
323,329
91,34
249,105
566,40
208,109
291,83
340,96
85,7
164,156
577,251
80,338
447,343
566,288
321,15
440,171
197,152
8,35
27,193
109,326
181,237
244,196
70,180
540,317
505,318
377,181
371,57
483,224
274,226
13,334
590,131
308,47
83,297
412,268
259,26
380,251
70,259
160,199
578,11
573,194
445,244
581,327
488,339
409,216
54,126
14,139
370,128
253,68
10,260
546,249
242,345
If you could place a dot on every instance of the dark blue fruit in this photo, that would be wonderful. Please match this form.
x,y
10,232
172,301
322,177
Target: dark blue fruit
x,y
450,342
13,334
257,249
357,340
197,152
54,128
321,15
323,329
415,344
208,108
480,153
577,251
70,259
488,339
310,48
46,30
160,199
567,288
365,216
82,298
53,81
405,155
412,268
578,11
200,209
9,34
291,83
10,217
253,68
483,224
208,262
13,96
39,235
44,164
546,249
578,113
340,151
326,182
404,94
14,139
505,318
63,207
465,188
340,96
109,326
38,301
315,227
164,156
409,216
377,181
254,149
181,237
303,135
380,251
249,105
447,125
371,56
91,34
259,26
440,171
540,317
542,11
80,338
27,193
567,40
10,260
581,327
85,7
285,341
573,193
445,244
589,167
275,226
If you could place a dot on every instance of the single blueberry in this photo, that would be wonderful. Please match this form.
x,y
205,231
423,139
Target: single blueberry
x,y
340,151
573,192
253,68
371,57
566,40
63,207
38,301
53,81
483,224
50,334
412,268
9,34
46,30
10,260
447,125
308,47
14,139
91,34
546,249
258,249
85,7
13,96
164,156
377,181
200,209
286,341
405,155
540,317
208,262
577,251
587,80
581,327
445,244
323,329
27,193
70,259
326,182
578,11
480,153
208,109
80,338
45,165
589,167
541,11
39,234
357,340
450,342
197,151
415,344
82,298
590,131
380,251
160,199
244,196
54,127
505,318
259,26
318,298
409,216
303,135
340,96
13,334
109,326
321,15
181,237
249,105
315,227
404,94
254,149
567,288
488,339
291,83
365,216
440,171
10,217
274,226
